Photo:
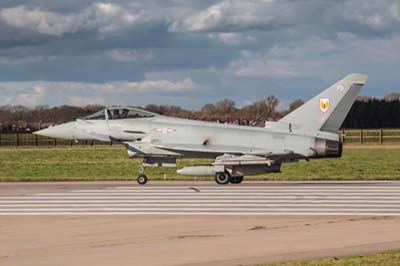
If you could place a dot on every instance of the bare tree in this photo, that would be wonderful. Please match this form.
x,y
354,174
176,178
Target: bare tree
x,y
225,108
363,98
395,96
295,104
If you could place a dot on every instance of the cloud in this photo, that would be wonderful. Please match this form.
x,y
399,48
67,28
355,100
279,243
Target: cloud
x,y
232,38
22,60
82,101
121,87
163,85
111,17
364,18
229,16
31,98
395,10
317,57
82,93
263,68
130,55
193,52
104,17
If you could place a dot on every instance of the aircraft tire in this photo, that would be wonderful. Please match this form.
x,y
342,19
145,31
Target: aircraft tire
x,y
222,178
142,179
236,179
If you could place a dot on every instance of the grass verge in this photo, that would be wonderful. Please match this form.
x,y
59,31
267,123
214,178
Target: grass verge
x,y
389,258
104,163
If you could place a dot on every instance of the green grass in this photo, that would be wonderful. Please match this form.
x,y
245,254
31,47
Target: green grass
x,y
390,258
104,163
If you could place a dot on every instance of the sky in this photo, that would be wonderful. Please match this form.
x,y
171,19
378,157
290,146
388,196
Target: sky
x,y
192,52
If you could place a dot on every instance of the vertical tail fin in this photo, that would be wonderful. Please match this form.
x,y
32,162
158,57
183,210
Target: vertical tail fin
x,y
328,110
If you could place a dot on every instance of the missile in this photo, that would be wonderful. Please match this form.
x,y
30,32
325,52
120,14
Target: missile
x,y
197,170
240,170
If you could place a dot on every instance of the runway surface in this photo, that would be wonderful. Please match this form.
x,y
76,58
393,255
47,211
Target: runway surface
x,y
194,223
316,199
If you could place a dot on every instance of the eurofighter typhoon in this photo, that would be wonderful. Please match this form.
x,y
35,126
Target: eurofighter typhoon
x,y
310,132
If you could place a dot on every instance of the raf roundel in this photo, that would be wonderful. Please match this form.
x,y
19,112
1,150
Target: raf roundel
x,y
164,130
324,104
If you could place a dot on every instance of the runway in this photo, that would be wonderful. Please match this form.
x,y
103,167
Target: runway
x,y
182,223
289,199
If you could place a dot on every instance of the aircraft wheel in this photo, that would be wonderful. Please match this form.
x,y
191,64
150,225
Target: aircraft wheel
x,y
222,178
236,179
142,179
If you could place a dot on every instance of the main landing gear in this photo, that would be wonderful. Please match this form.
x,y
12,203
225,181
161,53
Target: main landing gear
x,y
236,179
223,178
142,178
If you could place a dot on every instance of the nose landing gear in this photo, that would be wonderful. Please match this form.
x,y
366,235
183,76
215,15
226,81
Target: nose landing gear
x,y
142,178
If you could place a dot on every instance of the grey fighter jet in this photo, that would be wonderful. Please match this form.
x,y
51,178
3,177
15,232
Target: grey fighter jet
x,y
309,132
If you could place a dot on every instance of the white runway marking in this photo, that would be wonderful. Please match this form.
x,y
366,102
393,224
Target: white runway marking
x,y
203,196
367,199
245,193
198,205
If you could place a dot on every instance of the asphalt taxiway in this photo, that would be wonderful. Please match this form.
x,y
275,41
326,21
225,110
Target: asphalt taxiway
x,y
179,223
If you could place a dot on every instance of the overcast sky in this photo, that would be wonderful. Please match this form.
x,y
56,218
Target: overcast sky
x,y
189,53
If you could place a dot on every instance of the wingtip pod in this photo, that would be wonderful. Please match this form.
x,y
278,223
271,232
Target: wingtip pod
x,y
357,78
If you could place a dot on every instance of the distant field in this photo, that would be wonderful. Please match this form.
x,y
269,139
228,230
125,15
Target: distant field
x,y
112,163
390,258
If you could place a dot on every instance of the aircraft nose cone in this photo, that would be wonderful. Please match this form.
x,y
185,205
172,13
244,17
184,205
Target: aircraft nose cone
x,y
63,131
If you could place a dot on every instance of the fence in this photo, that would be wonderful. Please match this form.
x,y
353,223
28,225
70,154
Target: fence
x,y
373,136
26,139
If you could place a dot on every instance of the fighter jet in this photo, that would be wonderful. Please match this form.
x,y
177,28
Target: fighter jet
x,y
309,132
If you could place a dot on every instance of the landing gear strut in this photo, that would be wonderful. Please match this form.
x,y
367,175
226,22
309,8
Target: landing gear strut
x,y
142,179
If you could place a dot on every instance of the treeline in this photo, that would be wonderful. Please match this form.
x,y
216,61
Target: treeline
x,y
20,118
373,114
366,113
226,110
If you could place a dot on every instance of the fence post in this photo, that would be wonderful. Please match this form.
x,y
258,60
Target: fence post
x,y
36,140
55,142
16,139
0,139
381,136
361,136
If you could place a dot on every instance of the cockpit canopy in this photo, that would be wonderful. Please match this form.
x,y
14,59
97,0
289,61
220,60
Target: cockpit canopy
x,y
100,115
127,113
120,113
